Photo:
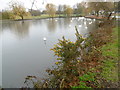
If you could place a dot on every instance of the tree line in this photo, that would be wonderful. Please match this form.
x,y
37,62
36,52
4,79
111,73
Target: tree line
x,y
105,9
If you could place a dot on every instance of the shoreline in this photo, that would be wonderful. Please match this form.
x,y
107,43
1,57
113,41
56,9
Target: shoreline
x,y
39,18
91,17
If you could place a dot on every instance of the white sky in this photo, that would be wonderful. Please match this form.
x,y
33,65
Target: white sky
x,y
39,3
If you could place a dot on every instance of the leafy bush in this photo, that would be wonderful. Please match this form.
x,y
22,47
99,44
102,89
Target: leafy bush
x,y
8,15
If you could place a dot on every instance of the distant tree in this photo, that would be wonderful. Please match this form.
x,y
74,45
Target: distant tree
x,y
60,9
95,7
117,6
7,14
64,9
35,12
106,7
44,12
51,9
68,10
18,9
0,15
79,9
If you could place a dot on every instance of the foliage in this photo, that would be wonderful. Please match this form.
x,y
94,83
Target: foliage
x,y
8,15
79,9
105,8
35,12
68,60
68,10
60,9
18,9
51,9
88,77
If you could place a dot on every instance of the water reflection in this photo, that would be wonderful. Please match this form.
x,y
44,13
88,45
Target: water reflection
x,y
37,22
67,22
51,25
20,29
60,23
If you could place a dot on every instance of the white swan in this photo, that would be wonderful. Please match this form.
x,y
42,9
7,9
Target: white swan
x,y
80,26
86,27
90,23
85,23
44,38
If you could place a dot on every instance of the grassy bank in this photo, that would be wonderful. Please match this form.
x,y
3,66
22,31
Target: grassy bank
x,y
41,16
107,77
110,53
110,61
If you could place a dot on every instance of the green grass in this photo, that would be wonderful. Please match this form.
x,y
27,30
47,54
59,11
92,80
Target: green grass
x,y
35,17
110,51
42,16
86,77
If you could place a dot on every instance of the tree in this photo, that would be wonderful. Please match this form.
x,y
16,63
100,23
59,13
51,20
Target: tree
x,y
117,6
7,14
107,8
51,9
60,9
18,9
68,10
79,9
35,12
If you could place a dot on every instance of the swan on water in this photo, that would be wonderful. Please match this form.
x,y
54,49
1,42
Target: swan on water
x,y
85,23
90,23
93,19
86,27
79,25
44,38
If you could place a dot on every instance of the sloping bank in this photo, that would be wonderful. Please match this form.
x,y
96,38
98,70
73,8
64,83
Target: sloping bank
x,y
105,41
110,63
86,63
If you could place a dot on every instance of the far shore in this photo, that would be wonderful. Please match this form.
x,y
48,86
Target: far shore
x,y
39,18
91,17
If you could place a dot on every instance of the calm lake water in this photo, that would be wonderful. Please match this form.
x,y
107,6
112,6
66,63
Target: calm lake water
x,y
25,53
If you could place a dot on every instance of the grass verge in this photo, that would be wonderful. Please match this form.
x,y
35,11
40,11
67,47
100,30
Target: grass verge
x,y
110,62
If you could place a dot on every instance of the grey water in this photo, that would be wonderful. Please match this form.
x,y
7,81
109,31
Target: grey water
x,y
24,52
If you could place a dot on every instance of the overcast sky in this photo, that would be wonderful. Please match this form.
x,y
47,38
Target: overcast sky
x,y
38,3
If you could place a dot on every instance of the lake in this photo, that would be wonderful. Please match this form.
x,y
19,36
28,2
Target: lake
x,y
24,52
